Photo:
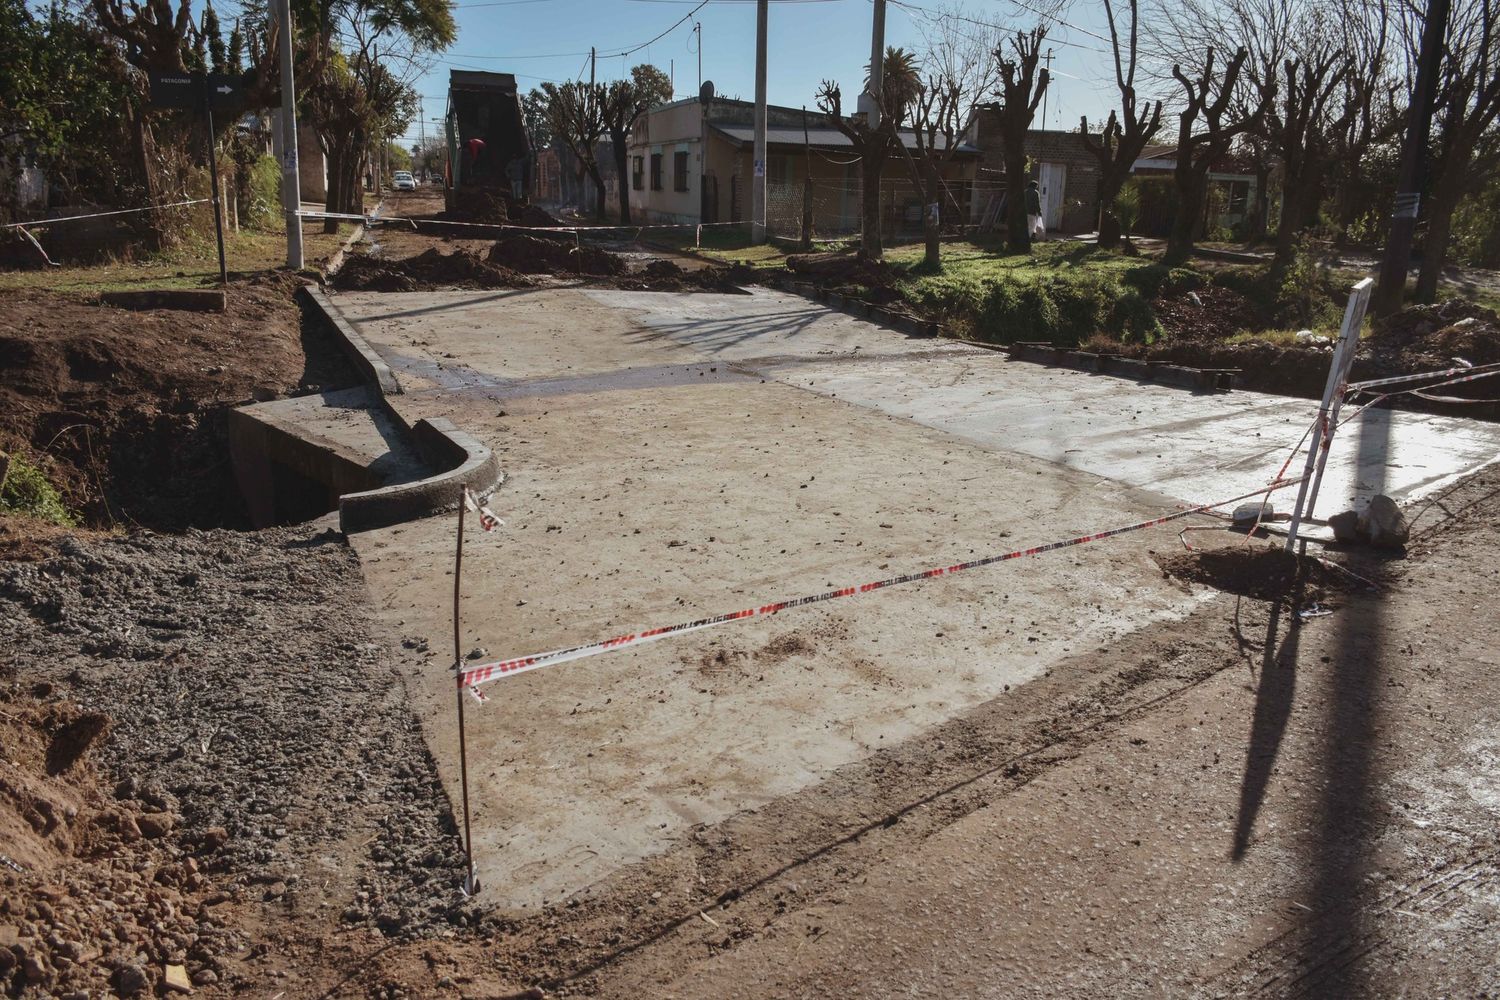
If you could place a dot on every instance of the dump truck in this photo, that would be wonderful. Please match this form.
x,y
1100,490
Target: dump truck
x,y
485,107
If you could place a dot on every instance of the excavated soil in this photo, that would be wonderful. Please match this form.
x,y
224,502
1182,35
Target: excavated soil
x,y
1210,313
496,206
430,269
1263,572
210,764
545,255
124,410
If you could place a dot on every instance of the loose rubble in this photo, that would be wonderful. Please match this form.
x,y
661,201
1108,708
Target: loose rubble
x,y
203,714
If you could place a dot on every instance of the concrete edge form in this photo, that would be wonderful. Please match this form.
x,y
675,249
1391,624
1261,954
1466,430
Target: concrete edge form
x,y
473,466
912,326
190,299
370,364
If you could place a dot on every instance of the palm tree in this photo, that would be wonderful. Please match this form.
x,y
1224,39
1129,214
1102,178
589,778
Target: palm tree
x,y
900,81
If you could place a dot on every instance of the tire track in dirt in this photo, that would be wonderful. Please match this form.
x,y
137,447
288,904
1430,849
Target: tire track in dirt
x,y
733,879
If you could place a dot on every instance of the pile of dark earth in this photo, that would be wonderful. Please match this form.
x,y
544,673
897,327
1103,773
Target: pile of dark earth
x,y
427,270
247,679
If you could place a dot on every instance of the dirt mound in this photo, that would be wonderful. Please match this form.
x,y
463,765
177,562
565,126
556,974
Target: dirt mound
x,y
496,206
839,270
665,276
125,410
545,255
1208,313
1432,336
430,269
1262,572
102,892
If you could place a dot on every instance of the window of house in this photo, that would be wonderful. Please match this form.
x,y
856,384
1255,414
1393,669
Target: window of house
x,y
656,171
679,171
637,172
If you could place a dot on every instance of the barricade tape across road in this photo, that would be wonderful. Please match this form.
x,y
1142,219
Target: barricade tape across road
x,y
356,217
472,677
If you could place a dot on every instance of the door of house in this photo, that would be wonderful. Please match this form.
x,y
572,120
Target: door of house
x,y
709,211
1053,183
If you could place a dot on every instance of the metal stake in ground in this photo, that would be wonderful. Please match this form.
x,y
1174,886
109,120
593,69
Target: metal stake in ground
x,y
213,173
471,884
1328,411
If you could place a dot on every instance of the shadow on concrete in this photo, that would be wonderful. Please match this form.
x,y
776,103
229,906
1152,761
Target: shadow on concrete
x,y
1343,826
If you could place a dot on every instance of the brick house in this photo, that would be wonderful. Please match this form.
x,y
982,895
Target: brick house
x,y
1066,171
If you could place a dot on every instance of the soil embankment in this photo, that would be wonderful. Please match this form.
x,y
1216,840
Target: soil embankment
x,y
124,410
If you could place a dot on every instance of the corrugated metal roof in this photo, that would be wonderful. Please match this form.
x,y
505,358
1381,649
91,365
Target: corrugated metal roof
x,y
823,137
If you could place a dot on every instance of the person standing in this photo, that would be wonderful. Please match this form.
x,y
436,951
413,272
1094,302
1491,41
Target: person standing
x,y
1034,224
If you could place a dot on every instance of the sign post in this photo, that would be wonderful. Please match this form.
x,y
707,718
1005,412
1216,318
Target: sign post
x,y
203,92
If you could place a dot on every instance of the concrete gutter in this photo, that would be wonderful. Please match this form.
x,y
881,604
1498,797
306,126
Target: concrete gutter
x,y
440,443
467,462
370,364
896,319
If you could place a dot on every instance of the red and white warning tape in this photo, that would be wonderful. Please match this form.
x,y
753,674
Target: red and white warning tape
x,y
487,519
472,677
1469,374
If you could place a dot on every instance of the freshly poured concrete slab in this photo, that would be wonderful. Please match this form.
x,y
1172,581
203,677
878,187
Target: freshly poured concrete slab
x,y
1198,447
666,462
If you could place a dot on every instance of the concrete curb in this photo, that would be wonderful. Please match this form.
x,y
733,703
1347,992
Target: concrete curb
x,y
370,364
912,326
440,443
1161,373
342,253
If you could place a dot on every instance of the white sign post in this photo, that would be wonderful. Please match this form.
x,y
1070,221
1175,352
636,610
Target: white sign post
x,y
1328,412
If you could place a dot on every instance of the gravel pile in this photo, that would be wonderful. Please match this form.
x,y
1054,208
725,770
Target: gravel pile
x,y
252,697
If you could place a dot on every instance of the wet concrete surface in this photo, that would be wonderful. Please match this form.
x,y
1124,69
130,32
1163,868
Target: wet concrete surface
x,y
646,488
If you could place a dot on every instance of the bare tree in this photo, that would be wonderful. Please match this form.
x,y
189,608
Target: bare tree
x,y
1021,88
575,112
1204,134
1121,142
872,141
1371,119
960,71
1466,145
623,102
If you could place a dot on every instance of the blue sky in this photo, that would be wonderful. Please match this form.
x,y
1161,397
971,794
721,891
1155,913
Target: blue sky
x,y
808,41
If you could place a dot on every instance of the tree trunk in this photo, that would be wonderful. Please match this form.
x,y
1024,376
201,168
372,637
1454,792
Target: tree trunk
x,y
1444,203
931,217
156,222
869,203
1262,211
599,191
1109,223
617,142
1298,200
1190,188
1019,233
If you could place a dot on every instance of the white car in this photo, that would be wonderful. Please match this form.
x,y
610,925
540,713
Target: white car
x,y
402,180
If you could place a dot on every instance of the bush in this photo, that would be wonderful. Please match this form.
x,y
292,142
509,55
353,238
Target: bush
x,y
261,209
27,491
1159,279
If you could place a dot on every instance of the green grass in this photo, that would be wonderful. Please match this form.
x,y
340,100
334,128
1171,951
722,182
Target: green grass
x,y
192,264
27,491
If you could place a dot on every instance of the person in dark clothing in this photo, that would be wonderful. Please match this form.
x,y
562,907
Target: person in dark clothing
x,y
1034,224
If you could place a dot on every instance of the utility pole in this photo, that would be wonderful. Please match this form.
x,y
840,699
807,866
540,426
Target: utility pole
x,y
291,181
758,181
1392,284
698,30
870,102
1049,87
